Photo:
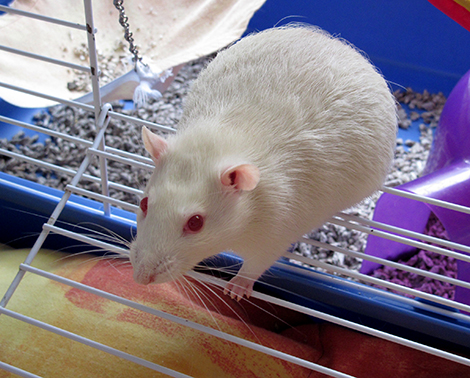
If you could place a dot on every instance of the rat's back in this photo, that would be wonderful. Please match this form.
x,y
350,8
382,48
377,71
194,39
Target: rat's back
x,y
305,107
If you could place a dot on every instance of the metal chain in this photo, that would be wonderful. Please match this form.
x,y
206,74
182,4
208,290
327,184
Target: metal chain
x,y
127,33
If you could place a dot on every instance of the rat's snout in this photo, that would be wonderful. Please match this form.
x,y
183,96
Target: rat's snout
x,y
141,274
150,267
144,278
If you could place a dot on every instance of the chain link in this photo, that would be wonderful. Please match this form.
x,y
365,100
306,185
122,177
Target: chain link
x,y
127,33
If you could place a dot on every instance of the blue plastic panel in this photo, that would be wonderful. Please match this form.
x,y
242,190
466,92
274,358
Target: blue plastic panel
x,y
25,206
412,42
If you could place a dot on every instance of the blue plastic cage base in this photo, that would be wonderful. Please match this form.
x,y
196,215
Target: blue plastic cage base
x,y
26,206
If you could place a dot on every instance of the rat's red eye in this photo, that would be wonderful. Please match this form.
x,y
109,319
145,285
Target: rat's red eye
x,y
144,205
194,224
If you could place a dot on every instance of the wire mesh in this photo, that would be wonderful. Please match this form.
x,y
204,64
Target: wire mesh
x,y
98,149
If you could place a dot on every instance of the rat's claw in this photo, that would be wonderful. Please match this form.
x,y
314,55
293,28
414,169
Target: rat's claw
x,y
237,287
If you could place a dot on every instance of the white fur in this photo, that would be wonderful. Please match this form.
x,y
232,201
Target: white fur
x,y
308,111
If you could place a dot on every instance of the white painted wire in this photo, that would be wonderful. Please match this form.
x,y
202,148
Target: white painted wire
x,y
381,261
107,247
69,171
43,130
353,222
372,292
59,100
404,232
131,157
102,198
376,281
183,322
122,159
110,153
401,239
98,148
45,59
343,322
93,344
41,17
90,108
150,125
431,201
15,370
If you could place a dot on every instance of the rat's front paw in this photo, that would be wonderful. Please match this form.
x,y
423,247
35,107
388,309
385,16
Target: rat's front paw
x,y
237,287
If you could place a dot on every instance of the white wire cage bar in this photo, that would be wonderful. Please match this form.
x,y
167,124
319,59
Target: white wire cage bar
x,y
41,17
89,108
97,149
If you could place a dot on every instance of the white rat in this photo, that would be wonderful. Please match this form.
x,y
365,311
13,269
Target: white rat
x,y
281,131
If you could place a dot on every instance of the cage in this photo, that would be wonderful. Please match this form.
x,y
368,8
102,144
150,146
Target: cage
x,y
297,289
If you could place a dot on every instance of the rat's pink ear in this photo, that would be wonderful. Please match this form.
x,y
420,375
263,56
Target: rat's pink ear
x,y
154,144
242,177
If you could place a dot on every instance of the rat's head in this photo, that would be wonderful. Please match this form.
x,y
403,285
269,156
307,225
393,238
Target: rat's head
x,y
194,206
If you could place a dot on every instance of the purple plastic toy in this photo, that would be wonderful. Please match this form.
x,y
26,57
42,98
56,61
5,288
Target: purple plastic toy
x,y
446,177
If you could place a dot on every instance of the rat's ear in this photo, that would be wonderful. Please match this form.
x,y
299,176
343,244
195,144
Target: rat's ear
x,y
154,144
242,177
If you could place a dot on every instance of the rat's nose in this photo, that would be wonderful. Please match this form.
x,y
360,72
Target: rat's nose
x,y
150,279
144,278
